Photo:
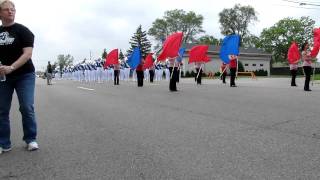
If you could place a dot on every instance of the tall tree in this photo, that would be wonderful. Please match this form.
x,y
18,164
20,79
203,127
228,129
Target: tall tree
x,y
104,53
177,20
278,38
63,61
121,56
139,39
236,20
208,40
250,41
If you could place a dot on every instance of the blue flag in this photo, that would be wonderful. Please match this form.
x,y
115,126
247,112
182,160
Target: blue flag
x,y
135,58
181,52
230,45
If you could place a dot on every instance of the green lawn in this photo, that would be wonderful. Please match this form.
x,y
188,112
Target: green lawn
x,y
317,77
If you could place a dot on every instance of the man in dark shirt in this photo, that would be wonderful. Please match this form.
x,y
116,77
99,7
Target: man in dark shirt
x,y
49,73
16,46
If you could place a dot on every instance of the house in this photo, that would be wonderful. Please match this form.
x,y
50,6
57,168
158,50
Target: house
x,y
252,59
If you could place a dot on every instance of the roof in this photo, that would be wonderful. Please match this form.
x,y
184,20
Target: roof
x,y
216,49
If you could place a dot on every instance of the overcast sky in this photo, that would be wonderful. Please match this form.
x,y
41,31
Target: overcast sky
x,y
78,27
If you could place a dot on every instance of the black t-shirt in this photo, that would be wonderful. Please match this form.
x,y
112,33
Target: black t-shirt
x,y
49,68
12,41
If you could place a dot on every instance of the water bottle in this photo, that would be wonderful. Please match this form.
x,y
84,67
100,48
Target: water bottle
x,y
2,76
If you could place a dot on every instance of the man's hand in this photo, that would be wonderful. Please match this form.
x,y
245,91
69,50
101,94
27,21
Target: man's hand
x,y
6,69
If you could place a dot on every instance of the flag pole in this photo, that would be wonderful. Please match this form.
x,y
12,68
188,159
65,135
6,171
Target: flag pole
x,y
223,71
199,71
237,67
314,72
179,67
172,70
174,65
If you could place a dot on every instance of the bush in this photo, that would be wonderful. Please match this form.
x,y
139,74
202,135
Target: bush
x,y
187,74
261,72
217,74
192,74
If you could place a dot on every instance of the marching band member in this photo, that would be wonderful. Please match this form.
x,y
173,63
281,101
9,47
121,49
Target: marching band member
x,y
198,75
173,69
306,58
223,70
233,69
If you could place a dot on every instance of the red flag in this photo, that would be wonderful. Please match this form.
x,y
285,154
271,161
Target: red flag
x,y
112,58
199,54
316,42
293,53
314,52
316,37
171,46
148,61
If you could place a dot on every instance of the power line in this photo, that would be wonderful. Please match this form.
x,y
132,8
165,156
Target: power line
x,y
303,3
298,7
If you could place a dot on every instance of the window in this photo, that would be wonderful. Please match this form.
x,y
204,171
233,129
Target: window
x,y
253,64
261,65
246,64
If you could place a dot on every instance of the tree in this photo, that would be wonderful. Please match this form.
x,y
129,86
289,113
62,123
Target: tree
x,y
104,54
177,20
278,38
63,61
121,56
236,20
250,41
209,40
139,39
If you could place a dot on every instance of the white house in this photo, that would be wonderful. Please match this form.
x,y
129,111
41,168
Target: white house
x,y
252,59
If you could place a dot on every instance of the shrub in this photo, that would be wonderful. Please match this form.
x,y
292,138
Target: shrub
x,y
261,72
187,74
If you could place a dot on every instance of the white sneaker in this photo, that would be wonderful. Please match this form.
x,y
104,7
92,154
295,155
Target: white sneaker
x,y
2,150
32,146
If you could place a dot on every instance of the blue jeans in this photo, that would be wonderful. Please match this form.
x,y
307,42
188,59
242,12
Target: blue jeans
x,y
24,86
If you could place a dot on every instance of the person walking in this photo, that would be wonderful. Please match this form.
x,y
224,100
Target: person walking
x,y
16,48
49,73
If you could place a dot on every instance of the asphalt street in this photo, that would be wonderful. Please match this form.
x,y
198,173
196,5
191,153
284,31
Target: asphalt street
x,y
262,129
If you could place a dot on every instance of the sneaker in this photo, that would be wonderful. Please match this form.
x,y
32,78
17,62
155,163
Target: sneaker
x,y
32,146
2,150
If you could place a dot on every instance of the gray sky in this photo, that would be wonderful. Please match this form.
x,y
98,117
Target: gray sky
x,y
78,27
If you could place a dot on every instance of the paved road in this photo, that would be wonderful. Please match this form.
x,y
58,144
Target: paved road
x,y
262,129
